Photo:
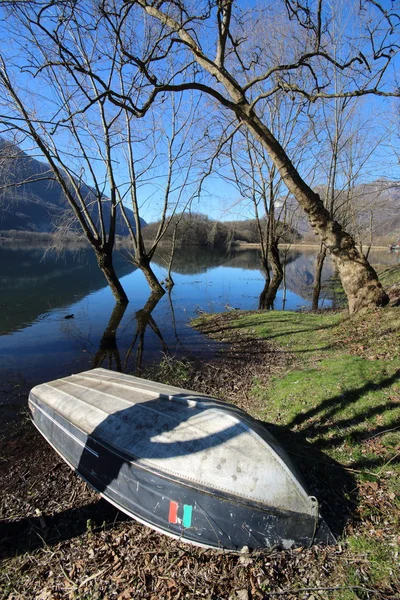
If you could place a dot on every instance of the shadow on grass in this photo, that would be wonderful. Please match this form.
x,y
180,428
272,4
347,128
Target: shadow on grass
x,y
333,484
323,419
331,406
225,326
326,479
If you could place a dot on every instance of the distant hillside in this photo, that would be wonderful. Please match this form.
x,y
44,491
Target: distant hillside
x,y
379,200
198,229
38,204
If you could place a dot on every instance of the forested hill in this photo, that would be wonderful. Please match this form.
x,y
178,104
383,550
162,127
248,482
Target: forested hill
x,y
29,201
199,229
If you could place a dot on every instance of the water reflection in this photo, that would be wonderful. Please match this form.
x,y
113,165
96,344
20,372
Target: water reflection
x,y
144,319
34,282
108,352
131,361
37,343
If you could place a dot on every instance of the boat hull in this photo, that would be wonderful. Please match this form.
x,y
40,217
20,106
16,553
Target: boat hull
x,y
191,512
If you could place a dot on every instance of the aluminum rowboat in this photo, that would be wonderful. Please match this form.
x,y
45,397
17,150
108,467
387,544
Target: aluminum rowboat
x,y
187,465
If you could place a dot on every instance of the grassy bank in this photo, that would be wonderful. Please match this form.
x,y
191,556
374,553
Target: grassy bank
x,y
336,406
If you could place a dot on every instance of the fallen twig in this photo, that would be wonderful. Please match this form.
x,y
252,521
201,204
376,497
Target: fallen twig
x,y
85,581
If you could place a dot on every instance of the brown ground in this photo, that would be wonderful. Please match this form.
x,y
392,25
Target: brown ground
x,y
60,540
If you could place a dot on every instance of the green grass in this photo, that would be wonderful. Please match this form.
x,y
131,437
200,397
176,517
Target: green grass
x,y
389,275
381,560
299,333
344,384
338,403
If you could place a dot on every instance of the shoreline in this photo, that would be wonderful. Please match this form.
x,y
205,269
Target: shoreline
x,y
250,245
47,239
49,515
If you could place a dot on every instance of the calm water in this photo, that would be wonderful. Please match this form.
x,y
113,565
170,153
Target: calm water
x,y
37,342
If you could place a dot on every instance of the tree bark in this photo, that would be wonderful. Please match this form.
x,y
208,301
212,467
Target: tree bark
x,y
105,262
318,273
360,281
268,295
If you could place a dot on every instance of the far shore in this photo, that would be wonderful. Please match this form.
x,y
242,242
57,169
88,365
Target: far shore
x,y
248,245
28,239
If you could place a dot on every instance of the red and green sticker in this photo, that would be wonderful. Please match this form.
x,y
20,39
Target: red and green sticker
x,y
186,517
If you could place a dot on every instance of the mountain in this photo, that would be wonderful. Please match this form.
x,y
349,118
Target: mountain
x,y
38,204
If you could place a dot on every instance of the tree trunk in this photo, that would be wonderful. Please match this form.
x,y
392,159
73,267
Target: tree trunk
x,y
318,273
144,265
266,269
169,280
267,275
105,262
268,295
359,280
262,300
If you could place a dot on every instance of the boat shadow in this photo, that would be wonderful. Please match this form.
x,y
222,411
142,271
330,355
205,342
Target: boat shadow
x,y
334,486
31,533
151,423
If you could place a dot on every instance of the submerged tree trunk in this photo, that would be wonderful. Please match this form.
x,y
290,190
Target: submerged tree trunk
x,y
105,262
143,263
169,280
360,281
271,287
268,295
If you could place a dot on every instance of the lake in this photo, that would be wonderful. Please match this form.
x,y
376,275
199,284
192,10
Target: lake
x,y
40,340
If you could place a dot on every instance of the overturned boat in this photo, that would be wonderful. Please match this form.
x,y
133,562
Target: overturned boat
x,y
183,463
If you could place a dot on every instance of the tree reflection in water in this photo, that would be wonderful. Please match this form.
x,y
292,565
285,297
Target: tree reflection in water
x,y
108,349
272,285
269,292
144,319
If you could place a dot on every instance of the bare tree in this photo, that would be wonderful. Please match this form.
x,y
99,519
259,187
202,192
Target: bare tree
x,y
259,181
98,151
16,116
213,42
176,45
343,160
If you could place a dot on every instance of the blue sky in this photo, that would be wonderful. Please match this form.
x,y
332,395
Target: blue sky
x,y
219,199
